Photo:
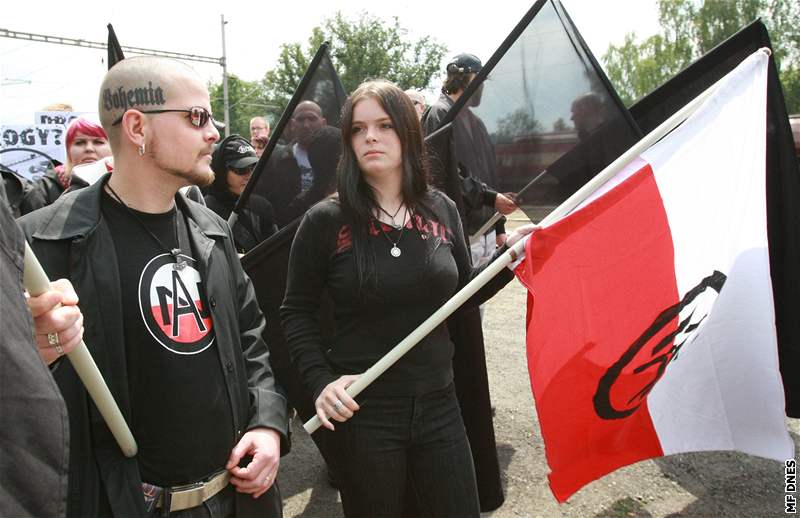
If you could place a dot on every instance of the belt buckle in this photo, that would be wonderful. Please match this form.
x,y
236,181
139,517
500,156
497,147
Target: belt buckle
x,y
184,497
192,495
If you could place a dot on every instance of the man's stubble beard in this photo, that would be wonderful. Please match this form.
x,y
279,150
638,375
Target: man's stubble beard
x,y
193,177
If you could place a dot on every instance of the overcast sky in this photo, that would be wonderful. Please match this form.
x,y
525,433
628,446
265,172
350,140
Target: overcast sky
x,y
34,74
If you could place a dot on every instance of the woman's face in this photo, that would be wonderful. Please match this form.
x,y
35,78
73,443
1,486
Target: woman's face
x,y
374,141
86,149
237,179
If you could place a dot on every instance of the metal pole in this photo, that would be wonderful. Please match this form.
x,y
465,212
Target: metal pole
x,y
225,101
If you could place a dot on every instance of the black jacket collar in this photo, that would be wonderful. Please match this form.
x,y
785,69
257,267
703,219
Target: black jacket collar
x,y
77,214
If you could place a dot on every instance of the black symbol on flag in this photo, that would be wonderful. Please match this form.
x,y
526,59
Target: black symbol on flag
x,y
662,353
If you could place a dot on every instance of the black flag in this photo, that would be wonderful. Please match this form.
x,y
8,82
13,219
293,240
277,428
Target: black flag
x,y
115,54
267,263
783,182
283,174
541,103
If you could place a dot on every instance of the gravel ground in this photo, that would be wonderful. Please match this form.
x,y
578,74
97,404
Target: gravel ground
x,y
700,484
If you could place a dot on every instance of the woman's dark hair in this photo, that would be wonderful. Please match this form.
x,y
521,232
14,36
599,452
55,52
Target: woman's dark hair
x,y
356,196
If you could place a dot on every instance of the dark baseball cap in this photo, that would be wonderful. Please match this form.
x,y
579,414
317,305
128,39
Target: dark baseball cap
x,y
465,63
238,154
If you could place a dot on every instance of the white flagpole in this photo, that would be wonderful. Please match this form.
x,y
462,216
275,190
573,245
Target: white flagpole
x,y
36,282
512,253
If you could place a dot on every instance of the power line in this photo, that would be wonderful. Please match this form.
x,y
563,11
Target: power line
x,y
12,81
59,40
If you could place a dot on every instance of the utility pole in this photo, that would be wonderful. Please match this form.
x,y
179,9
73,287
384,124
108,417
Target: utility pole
x,y
225,101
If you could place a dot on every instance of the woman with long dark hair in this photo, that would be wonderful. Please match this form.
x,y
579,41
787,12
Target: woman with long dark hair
x,y
389,250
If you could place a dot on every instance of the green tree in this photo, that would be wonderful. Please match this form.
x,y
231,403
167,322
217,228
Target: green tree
x,y
246,99
690,28
361,48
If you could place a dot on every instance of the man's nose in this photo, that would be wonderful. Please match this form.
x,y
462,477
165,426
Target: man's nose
x,y
213,132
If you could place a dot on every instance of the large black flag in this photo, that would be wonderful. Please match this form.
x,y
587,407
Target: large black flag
x,y
541,103
283,174
113,47
267,263
783,182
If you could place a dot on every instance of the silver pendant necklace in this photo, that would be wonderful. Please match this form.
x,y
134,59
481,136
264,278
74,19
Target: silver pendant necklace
x,y
395,250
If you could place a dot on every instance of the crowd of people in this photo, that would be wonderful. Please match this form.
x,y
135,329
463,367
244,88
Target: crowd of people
x,y
149,275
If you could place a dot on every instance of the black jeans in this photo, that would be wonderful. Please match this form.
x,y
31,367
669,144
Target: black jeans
x,y
395,445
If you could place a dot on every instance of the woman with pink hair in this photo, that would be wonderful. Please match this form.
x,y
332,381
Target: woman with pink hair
x,y
86,142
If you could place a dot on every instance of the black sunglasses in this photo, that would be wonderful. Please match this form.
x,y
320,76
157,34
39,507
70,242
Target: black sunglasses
x,y
243,171
198,116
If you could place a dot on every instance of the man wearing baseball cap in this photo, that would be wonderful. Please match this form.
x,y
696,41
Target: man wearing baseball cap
x,y
233,161
471,154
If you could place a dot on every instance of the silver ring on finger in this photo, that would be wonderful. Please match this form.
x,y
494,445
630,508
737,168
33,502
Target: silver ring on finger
x,y
52,339
338,405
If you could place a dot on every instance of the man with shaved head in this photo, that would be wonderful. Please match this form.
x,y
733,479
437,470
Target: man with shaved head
x,y
290,173
587,113
170,317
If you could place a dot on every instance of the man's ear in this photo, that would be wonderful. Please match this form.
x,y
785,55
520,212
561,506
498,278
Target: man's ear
x,y
134,127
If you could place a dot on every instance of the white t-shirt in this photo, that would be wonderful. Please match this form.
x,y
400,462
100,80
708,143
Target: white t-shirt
x,y
306,173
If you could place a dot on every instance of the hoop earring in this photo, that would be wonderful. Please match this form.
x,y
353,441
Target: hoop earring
x,y
141,149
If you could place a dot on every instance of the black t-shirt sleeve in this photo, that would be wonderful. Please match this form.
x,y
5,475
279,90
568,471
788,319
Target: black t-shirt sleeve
x,y
308,260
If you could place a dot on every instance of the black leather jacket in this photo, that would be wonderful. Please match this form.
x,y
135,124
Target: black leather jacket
x,y
34,436
72,240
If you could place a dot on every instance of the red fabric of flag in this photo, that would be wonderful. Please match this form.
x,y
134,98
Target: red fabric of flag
x,y
602,276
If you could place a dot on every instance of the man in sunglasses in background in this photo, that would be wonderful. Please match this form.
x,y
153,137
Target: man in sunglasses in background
x,y
170,317
233,161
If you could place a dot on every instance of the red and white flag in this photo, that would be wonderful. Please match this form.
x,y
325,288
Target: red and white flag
x,y
651,327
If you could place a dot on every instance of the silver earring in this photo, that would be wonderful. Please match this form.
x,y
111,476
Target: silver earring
x,y
141,149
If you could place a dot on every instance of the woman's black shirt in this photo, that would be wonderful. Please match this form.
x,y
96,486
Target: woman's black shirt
x,y
434,264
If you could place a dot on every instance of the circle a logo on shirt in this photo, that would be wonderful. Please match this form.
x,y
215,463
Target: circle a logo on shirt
x,y
173,305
